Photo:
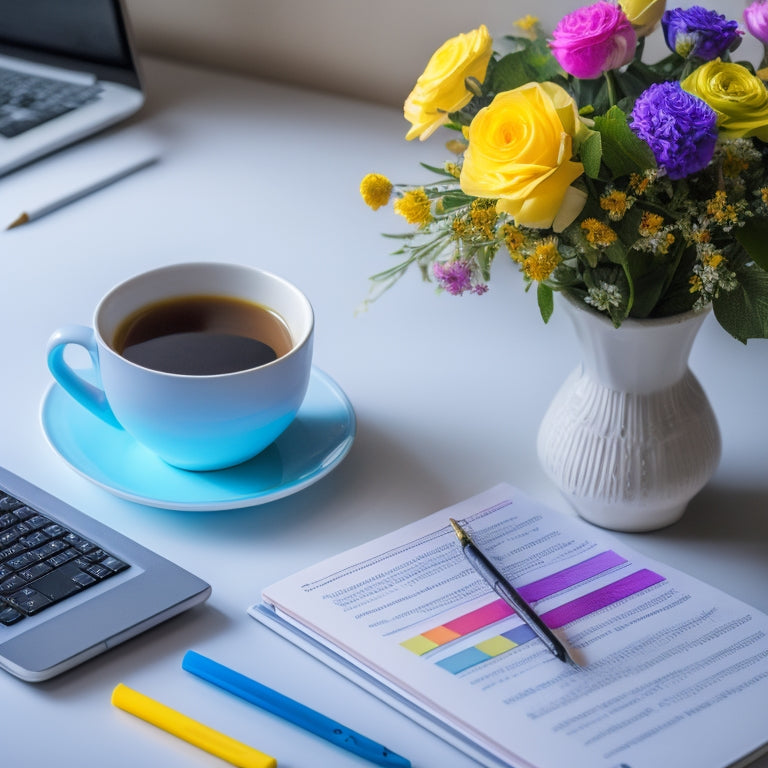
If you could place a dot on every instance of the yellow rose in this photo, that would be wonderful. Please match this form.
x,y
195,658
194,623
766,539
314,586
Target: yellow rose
x,y
441,89
643,15
739,98
520,149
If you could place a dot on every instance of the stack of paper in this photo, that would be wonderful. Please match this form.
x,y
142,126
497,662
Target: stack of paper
x,y
675,672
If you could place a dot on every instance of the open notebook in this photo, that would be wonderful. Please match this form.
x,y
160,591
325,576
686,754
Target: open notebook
x,y
67,70
675,672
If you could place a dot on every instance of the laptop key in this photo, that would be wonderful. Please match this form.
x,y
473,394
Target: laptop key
x,y
9,503
58,584
12,584
34,571
42,562
29,601
9,615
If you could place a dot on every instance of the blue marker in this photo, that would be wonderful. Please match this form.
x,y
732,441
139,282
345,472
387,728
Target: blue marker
x,y
290,710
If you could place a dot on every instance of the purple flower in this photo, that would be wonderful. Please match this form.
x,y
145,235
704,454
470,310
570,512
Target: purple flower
x,y
456,278
593,40
679,127
697,32
756,19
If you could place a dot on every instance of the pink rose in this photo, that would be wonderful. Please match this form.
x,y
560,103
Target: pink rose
x,y
756,18
593,40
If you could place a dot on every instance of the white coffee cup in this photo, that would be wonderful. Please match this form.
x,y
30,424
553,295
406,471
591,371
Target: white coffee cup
x,y
195,422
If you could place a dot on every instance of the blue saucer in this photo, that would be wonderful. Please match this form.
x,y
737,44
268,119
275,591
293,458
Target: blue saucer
x,y
315,442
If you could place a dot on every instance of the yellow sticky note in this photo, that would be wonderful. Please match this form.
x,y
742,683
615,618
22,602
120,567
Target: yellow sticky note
x,y
495,646
419,645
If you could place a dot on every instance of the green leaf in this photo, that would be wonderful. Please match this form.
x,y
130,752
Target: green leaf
x,y
743,312
544,296
540,59
676,296
616,253
531,61
451,201
753,237
511,71
651,275
591,93
438,171
649,284
636,79
623,152
591,154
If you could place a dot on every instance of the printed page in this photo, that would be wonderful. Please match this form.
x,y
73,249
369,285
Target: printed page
x,y
674,672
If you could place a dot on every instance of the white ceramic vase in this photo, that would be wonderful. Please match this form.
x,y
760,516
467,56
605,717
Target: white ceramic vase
x,y
630,437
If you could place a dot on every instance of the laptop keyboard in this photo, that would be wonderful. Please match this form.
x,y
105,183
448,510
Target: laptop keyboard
x,y
27,101
43,562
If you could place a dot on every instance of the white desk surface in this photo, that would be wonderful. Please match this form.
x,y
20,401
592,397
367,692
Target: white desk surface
x,y
448,393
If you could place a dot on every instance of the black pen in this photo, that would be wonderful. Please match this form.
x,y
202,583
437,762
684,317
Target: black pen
x,y
509,594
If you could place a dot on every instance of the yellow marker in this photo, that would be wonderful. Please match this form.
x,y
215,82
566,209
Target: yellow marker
x,y
190,730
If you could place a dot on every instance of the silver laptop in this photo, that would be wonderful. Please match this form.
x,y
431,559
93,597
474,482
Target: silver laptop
x,y
67,70
71,587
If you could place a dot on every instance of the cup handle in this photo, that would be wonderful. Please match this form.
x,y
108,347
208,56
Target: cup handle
x,y
88,395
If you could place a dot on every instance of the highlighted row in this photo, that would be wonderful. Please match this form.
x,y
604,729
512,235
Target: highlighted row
x,y
557,617
498,609
486,650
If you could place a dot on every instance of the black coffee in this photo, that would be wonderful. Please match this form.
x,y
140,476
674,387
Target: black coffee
x,y
202,335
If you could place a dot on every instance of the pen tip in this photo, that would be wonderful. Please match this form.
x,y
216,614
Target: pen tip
x,y
461,534
23,219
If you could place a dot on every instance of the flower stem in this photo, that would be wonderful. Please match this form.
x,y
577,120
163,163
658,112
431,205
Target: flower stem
x,y
610,82
639,49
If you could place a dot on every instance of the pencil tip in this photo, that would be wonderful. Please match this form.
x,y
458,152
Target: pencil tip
x,y
23,219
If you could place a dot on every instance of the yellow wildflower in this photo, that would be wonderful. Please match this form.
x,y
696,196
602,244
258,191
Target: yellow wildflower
x,y
542,262
734,165
482,214
513,239
615,203
597,233
650,224
722,211
414,206
639,183
376,190
764,195
453,169
702,235
666,243
460,228
713,260
527,23
529,26
696,284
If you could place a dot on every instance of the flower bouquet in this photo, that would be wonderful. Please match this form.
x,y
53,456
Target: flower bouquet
x,y
639,189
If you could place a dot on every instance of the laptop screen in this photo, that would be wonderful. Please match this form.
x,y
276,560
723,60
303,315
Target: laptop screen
x,y
88,35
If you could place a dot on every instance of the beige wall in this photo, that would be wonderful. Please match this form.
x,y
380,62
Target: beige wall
x,y
371,50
